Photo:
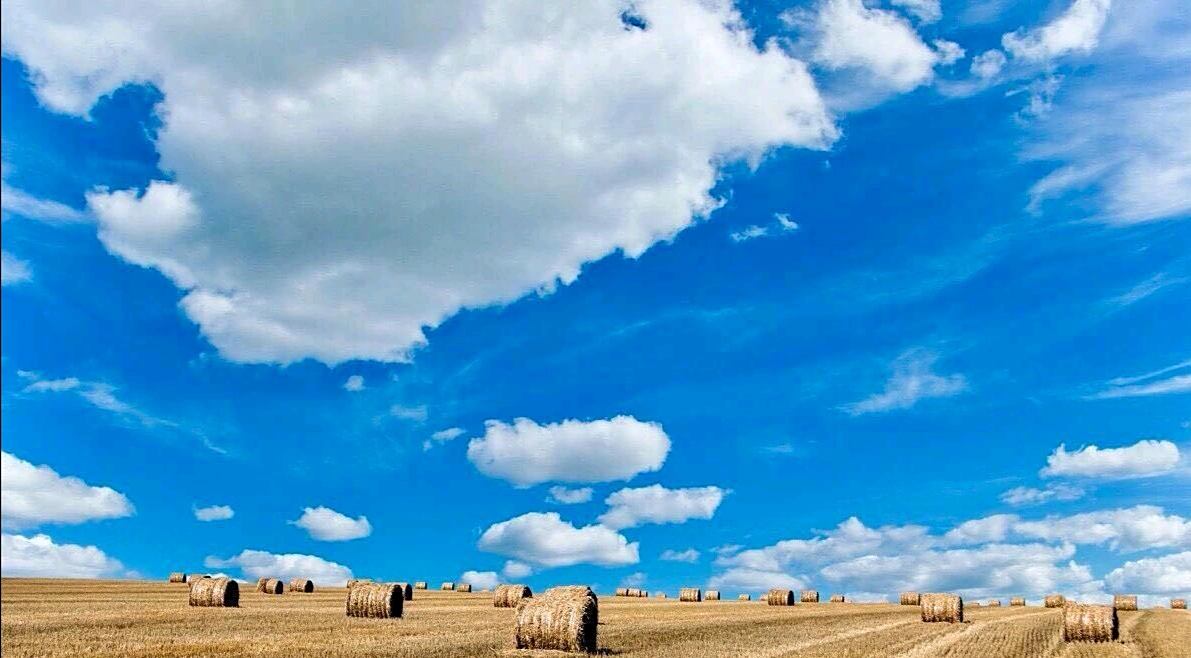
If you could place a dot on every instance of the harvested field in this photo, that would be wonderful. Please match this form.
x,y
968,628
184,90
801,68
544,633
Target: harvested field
x,y
138,618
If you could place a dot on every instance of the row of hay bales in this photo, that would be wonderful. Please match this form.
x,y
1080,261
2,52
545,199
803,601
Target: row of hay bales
x,y
632,592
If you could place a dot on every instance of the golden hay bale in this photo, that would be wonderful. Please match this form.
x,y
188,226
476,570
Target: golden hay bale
x,y
1090,623
836,598
177,577
379,600
1017,602
447,586
1124,601
744,597
508,596
780,597
1178,604
712,595
634,592
1055,600
215,593
421,584
407,591
301,585
643,593
622,591
942,607
908,598
272,586
995,603
690,594
191,577
564,619
260,583
462,587
661,595
810,596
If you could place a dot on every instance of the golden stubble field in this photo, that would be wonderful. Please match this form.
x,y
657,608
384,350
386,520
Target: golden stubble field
x,y
137,618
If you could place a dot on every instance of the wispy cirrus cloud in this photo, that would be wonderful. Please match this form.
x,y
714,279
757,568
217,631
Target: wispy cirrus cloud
x,y
913,379
1164,381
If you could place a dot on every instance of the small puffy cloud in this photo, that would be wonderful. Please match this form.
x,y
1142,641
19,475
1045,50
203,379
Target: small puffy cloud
x,y
1020,496
214,513
689,556
355,384
442,436
656,504
39,557
548,541
526,453
1076,30
981,531
1127,529
256,564
480,579
13,270
913,379
988,64
1169,574
325,524
949,52
515,570
1143,459
565,496
754,580
34,495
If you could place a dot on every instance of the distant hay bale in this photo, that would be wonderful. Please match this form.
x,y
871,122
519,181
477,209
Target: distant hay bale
x,y
272,586
744,597
712,595
407,591
377,600
836,598
563,619
661,595
995,603
622,591
690,594
1090,623
301,585
462,587
1125,602
1017,602
908,598
215,593
356,581
780,597
1178,604
810,596
942,607
643,593
421,584
508,596
634,592
177,577
1055,600
447,587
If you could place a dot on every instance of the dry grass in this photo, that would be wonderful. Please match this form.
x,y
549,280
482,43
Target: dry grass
x,y
67,618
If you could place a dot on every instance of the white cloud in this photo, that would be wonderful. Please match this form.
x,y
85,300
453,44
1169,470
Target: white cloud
x,y
781,224
214,513
988,64
993,528
39,557
1169,574
355,384
442,436
1019,496
849,539
689,556
415,414
1127,529
515,570
298,178
480,579
1150,383
1142,459
565,496
526,453
635,579
912,380
754,580
949,52
100,395
546,540
38,385
32,495
256,564
926,11
628,508
14,201
325,524
13,270
1076,30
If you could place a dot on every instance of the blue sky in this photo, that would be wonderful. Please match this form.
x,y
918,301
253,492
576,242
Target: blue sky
x,y
860,297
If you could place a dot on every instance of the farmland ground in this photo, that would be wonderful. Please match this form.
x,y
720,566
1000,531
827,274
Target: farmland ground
x,y
150,619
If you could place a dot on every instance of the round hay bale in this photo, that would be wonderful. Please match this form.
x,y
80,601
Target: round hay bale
x,y
508,596
836,598
634,592
712,595
273,586
643,593
462,587
260,583
377,600
1178,604
421,584
1090,623
743,597
1017,602
810,596
447,587
301,585
1055,600
780,597
563,619
1125,601
215,593
622,591
177,577
407,591
191,577
908,598
661,595
995,603
690,594
942,607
